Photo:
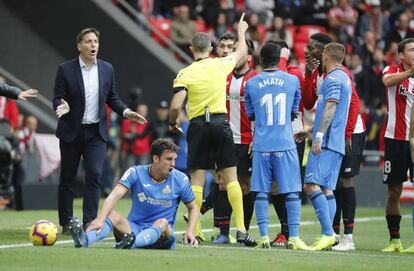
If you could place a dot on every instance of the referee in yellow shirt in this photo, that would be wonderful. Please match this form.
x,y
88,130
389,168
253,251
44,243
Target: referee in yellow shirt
x,y
209,137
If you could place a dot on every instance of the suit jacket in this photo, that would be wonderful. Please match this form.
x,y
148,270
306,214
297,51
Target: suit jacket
x,y
69,86
9,91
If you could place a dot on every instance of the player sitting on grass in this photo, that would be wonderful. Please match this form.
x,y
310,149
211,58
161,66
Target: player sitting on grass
x,y
156,191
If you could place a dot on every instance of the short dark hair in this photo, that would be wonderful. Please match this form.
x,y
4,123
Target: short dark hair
x,y
270,54
85,31
226,36
403,43
201,42
281,43
159,146
335,50
322,38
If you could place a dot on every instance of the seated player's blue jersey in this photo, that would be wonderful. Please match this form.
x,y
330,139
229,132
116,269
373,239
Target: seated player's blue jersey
x,y
270,98
337,86
152,200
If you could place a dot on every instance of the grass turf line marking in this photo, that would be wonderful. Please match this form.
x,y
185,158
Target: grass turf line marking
x,y
303,223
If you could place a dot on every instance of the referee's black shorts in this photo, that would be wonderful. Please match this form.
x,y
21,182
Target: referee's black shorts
x,y
210,145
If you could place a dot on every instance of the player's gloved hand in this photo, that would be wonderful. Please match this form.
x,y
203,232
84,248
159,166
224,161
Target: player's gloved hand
x,y
189,239
348,146
250,150
311,65
97,225
63,108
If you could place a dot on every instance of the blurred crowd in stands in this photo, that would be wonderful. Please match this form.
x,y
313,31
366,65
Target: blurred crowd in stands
x,y
370,30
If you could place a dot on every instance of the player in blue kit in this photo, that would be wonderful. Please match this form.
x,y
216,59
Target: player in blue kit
x,y
271,100
328,141
156,191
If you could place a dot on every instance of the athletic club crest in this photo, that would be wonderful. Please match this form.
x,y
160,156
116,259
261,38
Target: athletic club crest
x,y
384,177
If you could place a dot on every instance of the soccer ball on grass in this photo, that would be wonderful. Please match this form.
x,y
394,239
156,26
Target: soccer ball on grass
x,y
43,233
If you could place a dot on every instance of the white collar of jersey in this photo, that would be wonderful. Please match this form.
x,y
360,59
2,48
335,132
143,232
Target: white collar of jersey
x,y
152,178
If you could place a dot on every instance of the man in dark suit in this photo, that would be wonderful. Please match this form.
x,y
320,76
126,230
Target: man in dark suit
x,y
83,87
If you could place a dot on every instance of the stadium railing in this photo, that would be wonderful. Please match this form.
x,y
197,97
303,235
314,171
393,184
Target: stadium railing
x,y
143,22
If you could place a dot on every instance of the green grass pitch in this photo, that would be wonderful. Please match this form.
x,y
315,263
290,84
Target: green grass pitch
x,y
370,236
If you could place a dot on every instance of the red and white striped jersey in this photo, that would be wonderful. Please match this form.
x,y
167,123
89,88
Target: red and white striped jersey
x,y
240,124
399,102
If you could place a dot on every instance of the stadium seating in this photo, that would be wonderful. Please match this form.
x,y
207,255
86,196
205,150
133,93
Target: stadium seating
x,y
164,26
303,32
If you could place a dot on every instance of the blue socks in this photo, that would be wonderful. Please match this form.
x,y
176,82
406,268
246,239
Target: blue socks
x,y
293,213
332,206
147,237
93,236
261,205
320,204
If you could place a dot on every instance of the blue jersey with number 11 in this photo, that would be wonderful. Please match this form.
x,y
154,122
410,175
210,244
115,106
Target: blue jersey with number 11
x,y
270,98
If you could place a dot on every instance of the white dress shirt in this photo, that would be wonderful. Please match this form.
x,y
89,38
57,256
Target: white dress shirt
x,y
91,84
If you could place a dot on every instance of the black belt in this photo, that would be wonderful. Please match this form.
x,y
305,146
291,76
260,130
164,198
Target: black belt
x,y
89,125
213,115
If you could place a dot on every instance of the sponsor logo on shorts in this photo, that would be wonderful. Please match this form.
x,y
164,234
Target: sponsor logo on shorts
x,y
309,175
348,169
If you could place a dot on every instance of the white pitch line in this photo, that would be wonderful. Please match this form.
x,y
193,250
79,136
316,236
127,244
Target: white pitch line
x,y
303,223
352,253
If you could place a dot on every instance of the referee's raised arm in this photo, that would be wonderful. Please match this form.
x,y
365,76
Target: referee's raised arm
x,y
241,47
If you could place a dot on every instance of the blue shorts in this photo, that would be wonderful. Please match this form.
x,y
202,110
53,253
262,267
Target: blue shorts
x,y
160,244
283,167
323,169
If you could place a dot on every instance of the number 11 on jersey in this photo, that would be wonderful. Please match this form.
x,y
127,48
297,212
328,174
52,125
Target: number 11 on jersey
x,y
279,101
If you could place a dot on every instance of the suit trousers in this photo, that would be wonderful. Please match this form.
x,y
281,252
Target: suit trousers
x,y
90,145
